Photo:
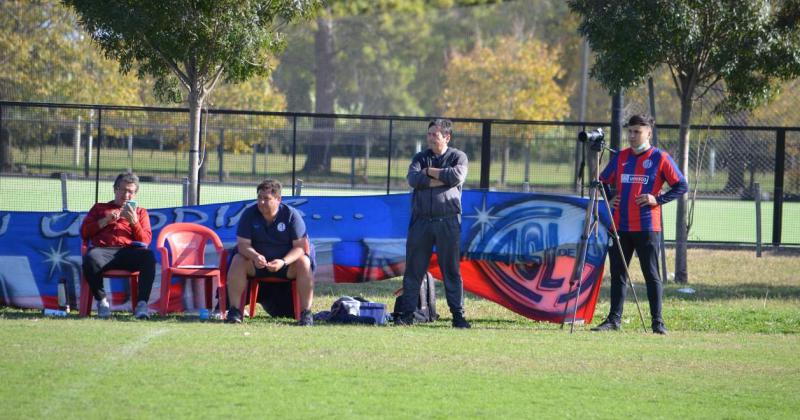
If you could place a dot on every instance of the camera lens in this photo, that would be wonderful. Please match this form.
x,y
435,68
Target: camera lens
x,y
592,136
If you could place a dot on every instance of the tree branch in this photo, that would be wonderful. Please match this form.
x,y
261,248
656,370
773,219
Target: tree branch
x,y
216,78
708,87
672,73
183,77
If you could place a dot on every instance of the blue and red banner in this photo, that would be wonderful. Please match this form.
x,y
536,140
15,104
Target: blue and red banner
x,y
517,249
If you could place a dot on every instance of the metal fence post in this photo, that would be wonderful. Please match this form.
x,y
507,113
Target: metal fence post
x,y
352,163
221,154
63,177
777,209
5,145
97,158
76,144
185,190
294,152
389,163
486,154
757,187
526,184
87,159
255,154
266,150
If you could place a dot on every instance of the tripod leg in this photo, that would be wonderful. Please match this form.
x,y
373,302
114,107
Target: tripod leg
x,y
618,245
579,281
589,224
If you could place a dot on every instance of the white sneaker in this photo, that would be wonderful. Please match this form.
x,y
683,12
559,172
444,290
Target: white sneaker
x,y
142,311
103,309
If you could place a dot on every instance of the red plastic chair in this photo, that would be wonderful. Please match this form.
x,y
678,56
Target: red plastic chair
x,y
254,281
184,256
85,304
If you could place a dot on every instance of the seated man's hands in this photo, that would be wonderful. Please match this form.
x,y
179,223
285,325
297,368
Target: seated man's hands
x,y
260,262
111,217
129,213
275,265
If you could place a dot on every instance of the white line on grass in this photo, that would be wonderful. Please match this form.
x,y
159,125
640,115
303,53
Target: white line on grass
x,y
60,401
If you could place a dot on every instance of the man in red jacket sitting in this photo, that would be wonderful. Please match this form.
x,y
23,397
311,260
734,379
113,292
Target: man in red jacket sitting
x,y
119,232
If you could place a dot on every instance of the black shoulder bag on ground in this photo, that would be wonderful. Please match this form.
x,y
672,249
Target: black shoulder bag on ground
x,y
426,306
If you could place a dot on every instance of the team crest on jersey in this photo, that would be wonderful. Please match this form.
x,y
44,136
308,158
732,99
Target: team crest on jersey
x,y
281,227
635,179
647,164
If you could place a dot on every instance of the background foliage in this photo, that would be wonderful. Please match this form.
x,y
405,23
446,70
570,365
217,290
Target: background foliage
x,y
391,57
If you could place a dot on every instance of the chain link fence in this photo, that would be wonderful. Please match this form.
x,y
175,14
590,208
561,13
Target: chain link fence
x,y
65,157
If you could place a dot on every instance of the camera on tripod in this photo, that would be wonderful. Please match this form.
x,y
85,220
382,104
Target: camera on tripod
x,y
595,139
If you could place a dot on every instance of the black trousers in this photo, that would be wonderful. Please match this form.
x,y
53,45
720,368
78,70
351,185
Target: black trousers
x,y
646,245
99,259
423,234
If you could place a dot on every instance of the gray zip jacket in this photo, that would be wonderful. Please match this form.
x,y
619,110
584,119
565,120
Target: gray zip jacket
x,y
441,201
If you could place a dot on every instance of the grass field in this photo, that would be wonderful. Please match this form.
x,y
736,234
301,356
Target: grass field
x,y
731,353
714,220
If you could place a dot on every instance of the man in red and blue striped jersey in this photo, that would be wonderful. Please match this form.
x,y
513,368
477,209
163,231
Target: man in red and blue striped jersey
x,y
638,173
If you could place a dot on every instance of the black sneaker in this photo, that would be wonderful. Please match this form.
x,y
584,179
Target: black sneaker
x,y
306,318
234,316
460,322
659,328
142,311
404,319
607,325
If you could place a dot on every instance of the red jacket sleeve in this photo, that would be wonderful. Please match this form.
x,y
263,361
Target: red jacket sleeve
x,y
142,231
90,225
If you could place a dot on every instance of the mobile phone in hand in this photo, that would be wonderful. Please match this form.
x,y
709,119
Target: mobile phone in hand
x,y
132,204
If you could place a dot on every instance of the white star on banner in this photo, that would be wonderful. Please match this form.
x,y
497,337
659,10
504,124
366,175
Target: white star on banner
x,y
483,217
55,257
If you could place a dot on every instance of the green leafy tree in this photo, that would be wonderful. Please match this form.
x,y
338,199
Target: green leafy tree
x,y
43,57
512,79
188,47
744,46
367,56
357,57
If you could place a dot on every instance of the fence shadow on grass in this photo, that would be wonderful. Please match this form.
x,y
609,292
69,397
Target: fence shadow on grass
x,y
734,292
703,292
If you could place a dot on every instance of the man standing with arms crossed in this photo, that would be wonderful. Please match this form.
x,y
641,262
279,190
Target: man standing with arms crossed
x,y
437,176
638,174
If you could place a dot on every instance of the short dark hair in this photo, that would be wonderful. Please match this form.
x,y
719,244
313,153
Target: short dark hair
x,y
445,126
271,187
126,178
640,119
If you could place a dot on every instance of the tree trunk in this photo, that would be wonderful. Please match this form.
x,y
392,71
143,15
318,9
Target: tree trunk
x,y
195,106
681,226
6,162
318,158
736,157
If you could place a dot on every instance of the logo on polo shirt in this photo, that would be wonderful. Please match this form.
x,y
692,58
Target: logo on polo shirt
x,y
647,164
281,227
634,179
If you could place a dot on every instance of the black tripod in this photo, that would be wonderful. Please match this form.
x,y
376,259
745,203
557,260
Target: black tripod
x,y
593,141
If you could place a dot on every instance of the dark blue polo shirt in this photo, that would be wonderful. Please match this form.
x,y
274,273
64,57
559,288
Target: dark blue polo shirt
x,y
272,240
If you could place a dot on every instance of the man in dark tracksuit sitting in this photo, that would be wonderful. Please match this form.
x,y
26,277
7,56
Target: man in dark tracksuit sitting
x,y
437,176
